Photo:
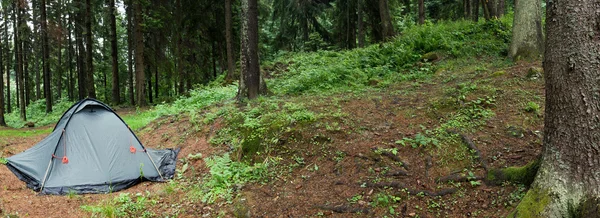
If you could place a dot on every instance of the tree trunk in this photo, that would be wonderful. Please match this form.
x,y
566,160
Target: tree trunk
x,y
476,10
2,121
527,38
386,20
567,183
46,58
156,60
421,12
71,87
486,9
89,51
250,82
37,37
81,65
8,61
229,38
116,98
501,8
129,14
361,24
19,58
139,53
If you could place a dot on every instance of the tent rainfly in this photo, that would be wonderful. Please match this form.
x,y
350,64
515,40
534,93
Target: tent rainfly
x,y
91,150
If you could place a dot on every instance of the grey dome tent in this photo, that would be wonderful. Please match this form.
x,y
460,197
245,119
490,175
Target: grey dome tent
x,y
90,150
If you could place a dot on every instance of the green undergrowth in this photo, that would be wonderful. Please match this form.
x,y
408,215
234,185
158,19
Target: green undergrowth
x,y
3,160
124,205
383,64
227,176
36,113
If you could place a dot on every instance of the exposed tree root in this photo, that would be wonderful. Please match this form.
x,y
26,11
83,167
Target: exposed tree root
x,y
471,145
343,209
395,158
458,178
397,173
522,175
412,191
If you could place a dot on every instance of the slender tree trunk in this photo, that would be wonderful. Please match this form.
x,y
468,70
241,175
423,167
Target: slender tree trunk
x,y
46,58
70,80
229,39
421,12
89,51
2,121
140,78
129,13
567,183
116,98
361,24
501,8
149,82
156,62
476,10
59,67
81,65
386,20
251,80
527,37
37,46
26,56
8,62
19,57
486,9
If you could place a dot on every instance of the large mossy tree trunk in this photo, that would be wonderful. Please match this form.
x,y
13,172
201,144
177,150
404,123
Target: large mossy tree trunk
x,y
527,38
568,183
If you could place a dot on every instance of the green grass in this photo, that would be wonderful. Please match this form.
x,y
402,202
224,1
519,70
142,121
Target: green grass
x,y
24,132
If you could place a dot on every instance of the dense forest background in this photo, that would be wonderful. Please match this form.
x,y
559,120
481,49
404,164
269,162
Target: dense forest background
x,y
139,52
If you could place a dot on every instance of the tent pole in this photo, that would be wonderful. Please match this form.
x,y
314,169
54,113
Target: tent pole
x,y
154,165
46,175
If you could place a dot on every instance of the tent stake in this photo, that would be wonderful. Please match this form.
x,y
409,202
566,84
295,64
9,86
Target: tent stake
x,y
154,165
46,175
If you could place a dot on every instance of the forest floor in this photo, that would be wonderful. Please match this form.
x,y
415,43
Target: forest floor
x,y
381,155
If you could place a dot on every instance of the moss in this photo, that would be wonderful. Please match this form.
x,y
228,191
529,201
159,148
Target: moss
x,y
532,205
522,175
431,56
498,73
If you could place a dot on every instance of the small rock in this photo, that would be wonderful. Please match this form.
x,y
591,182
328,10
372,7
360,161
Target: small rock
x,y
534,73
30,124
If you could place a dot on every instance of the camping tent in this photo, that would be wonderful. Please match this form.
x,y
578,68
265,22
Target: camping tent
x,y
90,150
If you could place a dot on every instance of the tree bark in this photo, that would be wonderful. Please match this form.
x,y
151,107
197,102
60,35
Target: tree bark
x,y
8,62
501,8
361,24
421,12
2,121
116,98
229,41
89,51
567,183
386,20
19,58
527,38
71,86
476,10
37,38
139,53
81,65
46,58
129,14
250,82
